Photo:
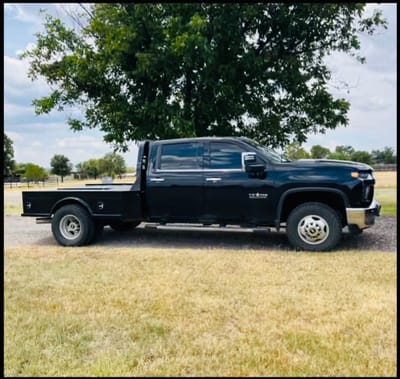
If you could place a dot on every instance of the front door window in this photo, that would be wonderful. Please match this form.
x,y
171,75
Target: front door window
x,y
225,156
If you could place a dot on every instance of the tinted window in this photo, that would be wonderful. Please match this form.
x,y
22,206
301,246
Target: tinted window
x,y
181,156
225,156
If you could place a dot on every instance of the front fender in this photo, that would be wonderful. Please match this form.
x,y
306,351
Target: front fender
x,y
307,193
70,200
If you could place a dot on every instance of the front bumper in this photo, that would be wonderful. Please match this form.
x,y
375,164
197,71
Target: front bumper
x,y
363,217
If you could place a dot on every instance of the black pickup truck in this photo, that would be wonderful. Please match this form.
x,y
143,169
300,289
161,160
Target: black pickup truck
x,y
217,180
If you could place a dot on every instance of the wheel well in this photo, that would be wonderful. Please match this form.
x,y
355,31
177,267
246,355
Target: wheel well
x,y
334,200
69,202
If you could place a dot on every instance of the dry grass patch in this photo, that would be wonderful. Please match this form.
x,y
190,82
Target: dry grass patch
x,y
152,312
386,179
11,209
386,191
388,199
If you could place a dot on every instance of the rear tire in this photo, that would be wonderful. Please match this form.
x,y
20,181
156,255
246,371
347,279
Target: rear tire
x,y
314,226
72,225
97,232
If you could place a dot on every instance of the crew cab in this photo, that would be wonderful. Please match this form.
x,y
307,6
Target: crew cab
x,y
228,181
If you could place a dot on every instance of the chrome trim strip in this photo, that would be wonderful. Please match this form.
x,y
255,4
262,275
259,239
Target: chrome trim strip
x,y
213,179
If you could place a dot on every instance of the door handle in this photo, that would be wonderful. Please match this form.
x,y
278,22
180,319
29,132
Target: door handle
x,y
157,179
213,179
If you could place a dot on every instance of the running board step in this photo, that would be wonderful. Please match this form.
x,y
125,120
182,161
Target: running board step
x,y
205,227
43,220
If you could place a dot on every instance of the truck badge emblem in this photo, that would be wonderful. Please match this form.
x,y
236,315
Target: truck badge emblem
x,y
258,196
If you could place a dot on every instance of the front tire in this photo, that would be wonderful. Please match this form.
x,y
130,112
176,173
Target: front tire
x,y
314,226
72,226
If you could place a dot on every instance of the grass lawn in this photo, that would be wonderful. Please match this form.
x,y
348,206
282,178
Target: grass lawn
x,y
386,191
180,312
388,199
386,179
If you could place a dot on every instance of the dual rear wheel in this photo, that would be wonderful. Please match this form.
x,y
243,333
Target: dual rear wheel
x,y
72,225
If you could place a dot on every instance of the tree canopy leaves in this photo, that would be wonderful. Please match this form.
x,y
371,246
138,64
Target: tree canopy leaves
x,y
60,165
385,156
194,69
9,162
319,152
34,172
112,164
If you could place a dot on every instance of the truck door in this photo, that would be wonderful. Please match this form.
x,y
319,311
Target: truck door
x,y
175,182
230,194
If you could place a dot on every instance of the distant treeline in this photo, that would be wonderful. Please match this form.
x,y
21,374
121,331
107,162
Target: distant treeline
x,y
343,152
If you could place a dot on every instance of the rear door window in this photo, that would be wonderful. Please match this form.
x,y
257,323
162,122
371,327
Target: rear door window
x,y
181,156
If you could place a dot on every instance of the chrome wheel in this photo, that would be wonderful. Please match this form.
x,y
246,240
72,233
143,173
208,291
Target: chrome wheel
x,y
70,227
314,226
313,229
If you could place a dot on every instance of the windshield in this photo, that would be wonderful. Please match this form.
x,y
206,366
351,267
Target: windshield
x,y
270,153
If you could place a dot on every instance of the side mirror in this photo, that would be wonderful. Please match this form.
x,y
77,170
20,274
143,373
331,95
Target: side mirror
x,y
250,166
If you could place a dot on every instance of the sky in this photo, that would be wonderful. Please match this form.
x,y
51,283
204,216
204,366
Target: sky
x,y
371,92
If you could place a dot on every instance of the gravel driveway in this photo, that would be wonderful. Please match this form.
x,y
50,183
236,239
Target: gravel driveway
x,y
23,231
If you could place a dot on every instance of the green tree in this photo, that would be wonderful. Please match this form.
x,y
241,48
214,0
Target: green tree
x,y
19,169
295,151
384,156
91,168
35,173
112,164
119,164
9,162
194,69
342,152
361,156
80,170
319,152
60,165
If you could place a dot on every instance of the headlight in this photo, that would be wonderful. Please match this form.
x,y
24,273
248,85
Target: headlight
x,y
361,175
365,175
